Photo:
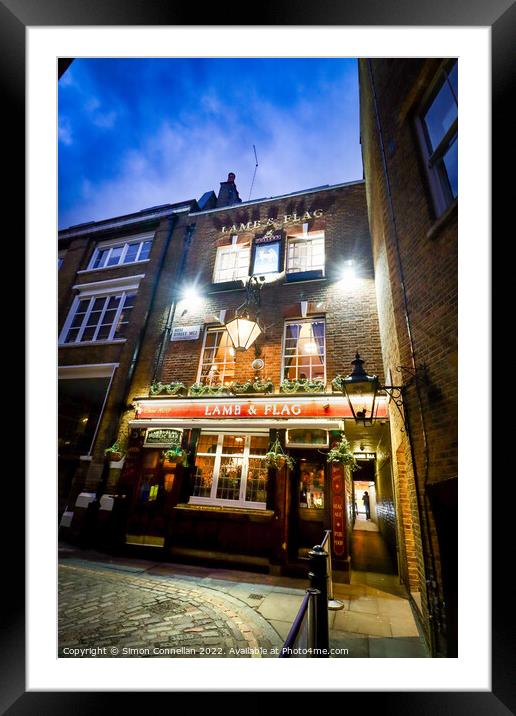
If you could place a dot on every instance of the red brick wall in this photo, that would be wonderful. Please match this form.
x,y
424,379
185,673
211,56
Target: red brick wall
x,y
351,316
410,248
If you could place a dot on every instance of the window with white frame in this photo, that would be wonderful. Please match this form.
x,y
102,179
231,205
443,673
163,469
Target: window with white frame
x,y
438,129
304,350
232,261
99,317
217,365
230,470
119,253
60,259
305,252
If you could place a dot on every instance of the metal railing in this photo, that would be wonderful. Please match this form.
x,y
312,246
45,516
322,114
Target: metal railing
x,y
333,604
302,637
309,635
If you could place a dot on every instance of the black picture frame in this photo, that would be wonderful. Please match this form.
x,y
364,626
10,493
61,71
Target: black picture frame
x,y
500,16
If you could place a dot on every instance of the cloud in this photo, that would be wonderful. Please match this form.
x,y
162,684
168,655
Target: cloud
x,y
64,131
310,140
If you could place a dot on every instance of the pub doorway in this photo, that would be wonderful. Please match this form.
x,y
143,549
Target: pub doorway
x,y
309,502
152,500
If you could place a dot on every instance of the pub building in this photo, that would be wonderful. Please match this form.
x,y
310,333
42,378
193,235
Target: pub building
x,y
271,301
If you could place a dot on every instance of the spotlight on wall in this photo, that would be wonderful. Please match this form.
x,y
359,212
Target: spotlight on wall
x,y
348,273
190,299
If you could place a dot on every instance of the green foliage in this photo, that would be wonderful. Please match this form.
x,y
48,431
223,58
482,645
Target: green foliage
x,y
275,457
257,386
337,382
303,385
341,453
174,388
175,453
200,389
115,448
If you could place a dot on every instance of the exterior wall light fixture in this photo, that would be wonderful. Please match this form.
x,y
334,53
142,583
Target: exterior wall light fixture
x,y
362,391
244,328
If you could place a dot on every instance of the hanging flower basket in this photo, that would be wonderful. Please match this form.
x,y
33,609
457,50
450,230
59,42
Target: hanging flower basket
x,y
176,454
114,453
341,453
277,458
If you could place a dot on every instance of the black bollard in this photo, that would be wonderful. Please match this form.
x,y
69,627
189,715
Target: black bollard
x,y
318,576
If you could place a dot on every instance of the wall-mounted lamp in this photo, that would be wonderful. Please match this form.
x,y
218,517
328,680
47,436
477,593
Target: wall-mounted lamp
x,y
362,390
244,329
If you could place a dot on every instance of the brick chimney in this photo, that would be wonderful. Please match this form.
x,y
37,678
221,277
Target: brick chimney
x,y
228,193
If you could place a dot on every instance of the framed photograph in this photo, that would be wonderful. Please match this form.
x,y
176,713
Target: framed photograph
x,y
35,677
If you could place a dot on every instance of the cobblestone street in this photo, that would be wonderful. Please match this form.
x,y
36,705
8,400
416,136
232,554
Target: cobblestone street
x,y
127,607
123,614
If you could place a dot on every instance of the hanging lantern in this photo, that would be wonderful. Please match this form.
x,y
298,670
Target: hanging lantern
x,y
361,391
243,332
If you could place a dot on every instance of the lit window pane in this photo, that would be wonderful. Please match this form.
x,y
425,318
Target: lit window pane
x,y
218,359
303,351
228,482
203,476
256,485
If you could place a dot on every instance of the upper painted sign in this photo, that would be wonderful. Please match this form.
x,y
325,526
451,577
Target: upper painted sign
x,y
273,223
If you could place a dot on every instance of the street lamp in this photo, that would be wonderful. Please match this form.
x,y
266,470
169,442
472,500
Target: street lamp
x,y
361,391
244,329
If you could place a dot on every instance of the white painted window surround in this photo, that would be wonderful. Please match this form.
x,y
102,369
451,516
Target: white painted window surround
x,y
122,251
100,311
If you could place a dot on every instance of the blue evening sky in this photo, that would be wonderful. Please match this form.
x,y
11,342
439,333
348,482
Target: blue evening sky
x,y
135,133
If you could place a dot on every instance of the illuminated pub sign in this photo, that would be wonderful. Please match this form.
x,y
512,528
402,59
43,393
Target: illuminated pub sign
x,y
273,408
267,253
162,437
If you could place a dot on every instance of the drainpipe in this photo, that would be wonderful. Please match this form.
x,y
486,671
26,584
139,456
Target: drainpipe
x,y
433,597
189,232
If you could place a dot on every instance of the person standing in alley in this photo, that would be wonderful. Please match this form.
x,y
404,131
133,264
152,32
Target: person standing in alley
x,y
365,500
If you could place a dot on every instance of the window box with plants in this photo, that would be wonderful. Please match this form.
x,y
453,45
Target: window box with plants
x,y
254,387
303,385
201,390
114,453
277,458
174,389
